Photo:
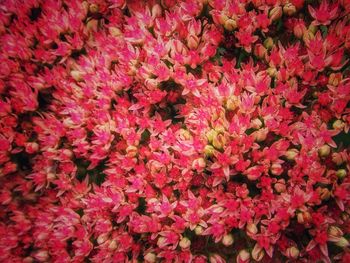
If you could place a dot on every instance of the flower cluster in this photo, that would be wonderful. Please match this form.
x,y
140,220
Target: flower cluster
x,y
174,131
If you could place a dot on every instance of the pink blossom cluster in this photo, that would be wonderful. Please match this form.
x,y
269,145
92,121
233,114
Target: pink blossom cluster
x,y
174,131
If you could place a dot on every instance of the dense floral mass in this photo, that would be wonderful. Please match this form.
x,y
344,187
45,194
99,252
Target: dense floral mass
x,y
174,131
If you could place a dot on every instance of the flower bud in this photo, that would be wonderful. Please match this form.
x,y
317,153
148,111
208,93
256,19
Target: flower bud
x,y
243,256
93,8
185,135
232,103
291,154
113,245
102,238
211,135
198,164
260,51
334,233
76,75
227,240
343,242
156,10
341,173
209,150
28,260
215,258
324,151
334,79
272,72
185,243
313,29
307,36
292,252
50,176
268,43
275,13
276,169
280,186
150,257
289,9
114,31
338,125
223,18
260,135
252,229
324,193
337,158
131,151
258,253
256,123
219,142
299,30
31,147
230,24
42,255
304,217
198,230
192,41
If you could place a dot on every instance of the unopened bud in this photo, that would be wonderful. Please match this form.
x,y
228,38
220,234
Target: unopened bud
x,y
292,252
252,229
198,164
227,240
324,193
102,238
272,72
337,158
113,245
280,186
211,135
185,243
256,123
276,169
31,147
232,103
150,257
230,24
299,30
131,151
268,43
304,217
335,79
219,141
324,150
76,75
192,41
291,154
343,242
243,256
338,125
93,8
275,13
313,29
156,10
260,135
258,253
260,51
341,173
334,233
198,230
114,31
209,150
289,9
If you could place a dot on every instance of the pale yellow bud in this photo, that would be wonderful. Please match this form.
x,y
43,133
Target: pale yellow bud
x,y
230,24
227,240
343,242
185,243
291,154
289,9
341,173
292,252
150,257
324,151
